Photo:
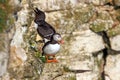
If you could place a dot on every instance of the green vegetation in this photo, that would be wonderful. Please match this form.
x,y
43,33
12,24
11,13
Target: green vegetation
x,y
5,9
3,1
72,78
99,26
34,47
115,31
66,69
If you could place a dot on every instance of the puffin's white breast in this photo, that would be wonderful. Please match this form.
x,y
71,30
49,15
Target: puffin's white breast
x,y
35,25
51,49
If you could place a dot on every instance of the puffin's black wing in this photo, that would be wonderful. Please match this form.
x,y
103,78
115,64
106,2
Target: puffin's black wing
x,y
39,15
45,30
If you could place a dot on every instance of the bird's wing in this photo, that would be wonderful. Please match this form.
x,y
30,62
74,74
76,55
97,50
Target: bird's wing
x,y
45,30
39,15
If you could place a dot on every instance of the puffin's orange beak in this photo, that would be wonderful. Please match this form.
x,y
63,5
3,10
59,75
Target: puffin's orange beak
x,y
61,42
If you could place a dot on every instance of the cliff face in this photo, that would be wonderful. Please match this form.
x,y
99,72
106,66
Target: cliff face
x,y
86,53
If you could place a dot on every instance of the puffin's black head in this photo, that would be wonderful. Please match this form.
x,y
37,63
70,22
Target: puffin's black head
x,y
57,37
39,15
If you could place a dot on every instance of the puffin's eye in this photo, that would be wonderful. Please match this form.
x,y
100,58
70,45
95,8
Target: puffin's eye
x,y
59,37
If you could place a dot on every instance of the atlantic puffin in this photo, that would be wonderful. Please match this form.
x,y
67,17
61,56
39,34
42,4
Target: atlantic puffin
x,y
51,48
44,29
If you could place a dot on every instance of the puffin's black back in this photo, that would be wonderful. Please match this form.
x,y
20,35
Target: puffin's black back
x,y
44,29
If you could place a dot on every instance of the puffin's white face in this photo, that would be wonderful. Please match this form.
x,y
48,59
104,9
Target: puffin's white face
x,y
57,37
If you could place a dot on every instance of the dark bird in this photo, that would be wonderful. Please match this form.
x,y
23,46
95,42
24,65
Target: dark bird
x,y
51,48
44,29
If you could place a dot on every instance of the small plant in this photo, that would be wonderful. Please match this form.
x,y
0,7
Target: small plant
x,y
5,9
66,69
3,1
38,55
43,58
72,78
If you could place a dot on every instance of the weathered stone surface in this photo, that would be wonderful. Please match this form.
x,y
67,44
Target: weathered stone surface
x,y
22,63
77,58
117,2
4,53
17,53
80,54
115,42
3,62
112,67
87,76
87,41
103,21
14,2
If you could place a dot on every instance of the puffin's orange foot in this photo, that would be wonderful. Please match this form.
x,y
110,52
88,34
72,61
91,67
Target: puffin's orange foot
x,y
54,60
49,61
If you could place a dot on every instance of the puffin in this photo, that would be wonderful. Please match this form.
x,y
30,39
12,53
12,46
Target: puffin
x,y
51,48
44,29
